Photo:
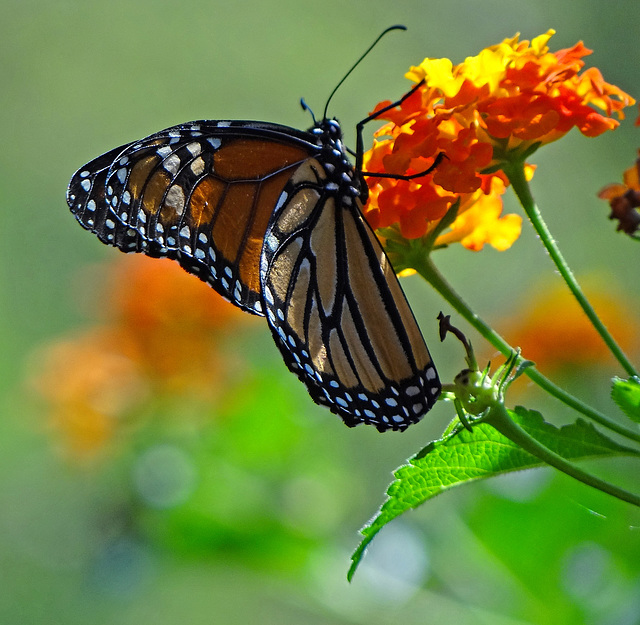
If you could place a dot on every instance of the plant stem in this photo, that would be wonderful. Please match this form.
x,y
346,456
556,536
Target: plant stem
x,y
425,267
516,175
498,417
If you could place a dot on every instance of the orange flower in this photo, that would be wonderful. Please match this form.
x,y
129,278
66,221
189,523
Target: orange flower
x,y
173,319
624,199
92,384
555,333
500,105
161,335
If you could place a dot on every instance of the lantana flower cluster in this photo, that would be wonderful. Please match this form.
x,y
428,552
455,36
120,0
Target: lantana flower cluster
x,y
498,106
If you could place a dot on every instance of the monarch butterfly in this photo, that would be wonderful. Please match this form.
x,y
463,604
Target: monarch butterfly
x,y
271,218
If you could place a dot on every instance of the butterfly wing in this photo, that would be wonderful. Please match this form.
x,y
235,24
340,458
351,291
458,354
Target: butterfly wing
x,y
336,309
201,193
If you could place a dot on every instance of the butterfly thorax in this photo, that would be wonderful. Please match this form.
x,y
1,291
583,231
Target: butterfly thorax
x,y
341,172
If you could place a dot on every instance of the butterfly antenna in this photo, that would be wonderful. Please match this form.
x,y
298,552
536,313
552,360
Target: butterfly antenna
x,y
380,36
305,107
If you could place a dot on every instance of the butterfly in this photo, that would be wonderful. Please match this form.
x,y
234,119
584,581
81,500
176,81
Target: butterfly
x,y
271,218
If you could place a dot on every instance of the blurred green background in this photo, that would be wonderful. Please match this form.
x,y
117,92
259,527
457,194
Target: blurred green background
x,y
263,508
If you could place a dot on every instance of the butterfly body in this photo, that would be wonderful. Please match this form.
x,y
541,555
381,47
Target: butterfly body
x,y
270,217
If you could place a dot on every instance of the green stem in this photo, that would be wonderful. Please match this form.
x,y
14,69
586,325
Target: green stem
x,y
500,420
425,267
515,173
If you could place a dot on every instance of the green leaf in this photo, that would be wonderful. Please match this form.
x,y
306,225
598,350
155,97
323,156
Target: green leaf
x,y
462,456
626,393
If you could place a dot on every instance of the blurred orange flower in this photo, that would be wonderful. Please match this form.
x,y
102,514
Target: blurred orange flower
x,y
555,333
624,199
173,320
500,105
91,383
160,335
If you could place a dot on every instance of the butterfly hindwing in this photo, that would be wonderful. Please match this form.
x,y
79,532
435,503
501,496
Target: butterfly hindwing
x,y
336,309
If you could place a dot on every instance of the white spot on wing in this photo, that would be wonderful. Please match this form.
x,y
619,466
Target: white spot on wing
x,y
197,167
175,198
172,164
195,148
281,200
271,242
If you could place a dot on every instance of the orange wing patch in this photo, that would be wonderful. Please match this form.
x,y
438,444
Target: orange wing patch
x,y
204,201
254,159
140,175
228,193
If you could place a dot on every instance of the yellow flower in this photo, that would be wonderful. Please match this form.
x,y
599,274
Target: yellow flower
x,y
482,223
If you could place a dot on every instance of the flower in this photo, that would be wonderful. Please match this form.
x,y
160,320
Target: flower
x,y
174,320
496,107
481,222
160,336
624,199
92,384
553,331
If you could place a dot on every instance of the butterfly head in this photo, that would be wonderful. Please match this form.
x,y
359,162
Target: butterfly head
x,y
334,154
328,133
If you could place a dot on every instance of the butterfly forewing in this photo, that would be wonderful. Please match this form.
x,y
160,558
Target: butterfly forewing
x,y
337,311
201,193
